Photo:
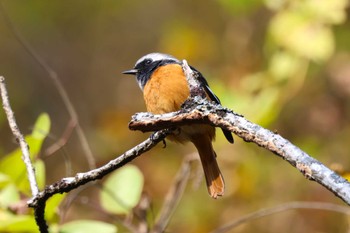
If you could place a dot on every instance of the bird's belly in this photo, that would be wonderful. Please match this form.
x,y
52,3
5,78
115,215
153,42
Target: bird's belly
x,y
165,92
189,132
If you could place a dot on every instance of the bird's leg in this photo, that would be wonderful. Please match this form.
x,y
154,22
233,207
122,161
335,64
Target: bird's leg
x,y
152,137
164,143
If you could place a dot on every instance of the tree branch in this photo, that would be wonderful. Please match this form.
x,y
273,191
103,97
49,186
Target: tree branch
x,y
70,183
19,137
202,111
197,110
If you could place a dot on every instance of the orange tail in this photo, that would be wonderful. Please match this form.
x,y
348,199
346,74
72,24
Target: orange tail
x,y
214,179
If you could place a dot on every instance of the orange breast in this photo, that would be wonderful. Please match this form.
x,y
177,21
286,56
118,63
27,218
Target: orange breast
x,y
166,90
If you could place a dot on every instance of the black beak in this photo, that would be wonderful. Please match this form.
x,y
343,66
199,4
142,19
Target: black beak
x,y
132,71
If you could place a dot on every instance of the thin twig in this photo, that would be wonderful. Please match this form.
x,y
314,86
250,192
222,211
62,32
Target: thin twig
x,y
19,137
281,208
174,194
59,145
67,184
59,86
62,141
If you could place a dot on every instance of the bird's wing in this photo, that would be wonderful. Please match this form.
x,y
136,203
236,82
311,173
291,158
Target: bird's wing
x,y
214,98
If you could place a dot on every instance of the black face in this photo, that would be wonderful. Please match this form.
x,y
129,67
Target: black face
x,y
147,64
144,71
145,68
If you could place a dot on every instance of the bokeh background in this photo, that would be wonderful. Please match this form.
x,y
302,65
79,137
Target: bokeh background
x,y
283,64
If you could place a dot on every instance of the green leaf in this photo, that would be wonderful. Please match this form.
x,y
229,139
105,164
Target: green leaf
x,y
122,190
87,226
7,166
34,141
22,181
4,180
52,207
40,174
8,195
17,223
41,127
23,184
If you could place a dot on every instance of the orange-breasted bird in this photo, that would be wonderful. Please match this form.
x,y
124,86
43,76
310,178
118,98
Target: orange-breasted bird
x,y
165,89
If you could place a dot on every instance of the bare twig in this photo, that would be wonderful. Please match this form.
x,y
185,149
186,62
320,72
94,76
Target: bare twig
x,y
70,183
19,138
59,145
60,88
281,208
174,194
141,212
62,141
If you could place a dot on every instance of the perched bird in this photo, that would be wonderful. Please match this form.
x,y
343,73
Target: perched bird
x,y
165,89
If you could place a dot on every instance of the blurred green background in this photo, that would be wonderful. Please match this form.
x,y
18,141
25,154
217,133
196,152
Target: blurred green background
x,y
283,64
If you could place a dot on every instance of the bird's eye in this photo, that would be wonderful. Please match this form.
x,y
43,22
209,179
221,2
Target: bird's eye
x,y
148,61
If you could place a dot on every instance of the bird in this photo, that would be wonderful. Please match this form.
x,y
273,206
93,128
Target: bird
x,y
164,85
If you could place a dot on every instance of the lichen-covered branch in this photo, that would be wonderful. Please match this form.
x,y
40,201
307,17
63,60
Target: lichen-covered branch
x,y
198,110
70,183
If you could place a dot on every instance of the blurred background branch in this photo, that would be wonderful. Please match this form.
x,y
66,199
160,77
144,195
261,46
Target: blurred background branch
x,y
60,88
174,194
281,208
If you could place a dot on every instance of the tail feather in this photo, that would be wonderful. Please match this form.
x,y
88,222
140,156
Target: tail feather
x,y
214,179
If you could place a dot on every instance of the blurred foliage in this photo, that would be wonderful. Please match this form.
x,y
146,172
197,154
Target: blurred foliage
x,y
18,176
87,226
122,190
14,186
283,64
